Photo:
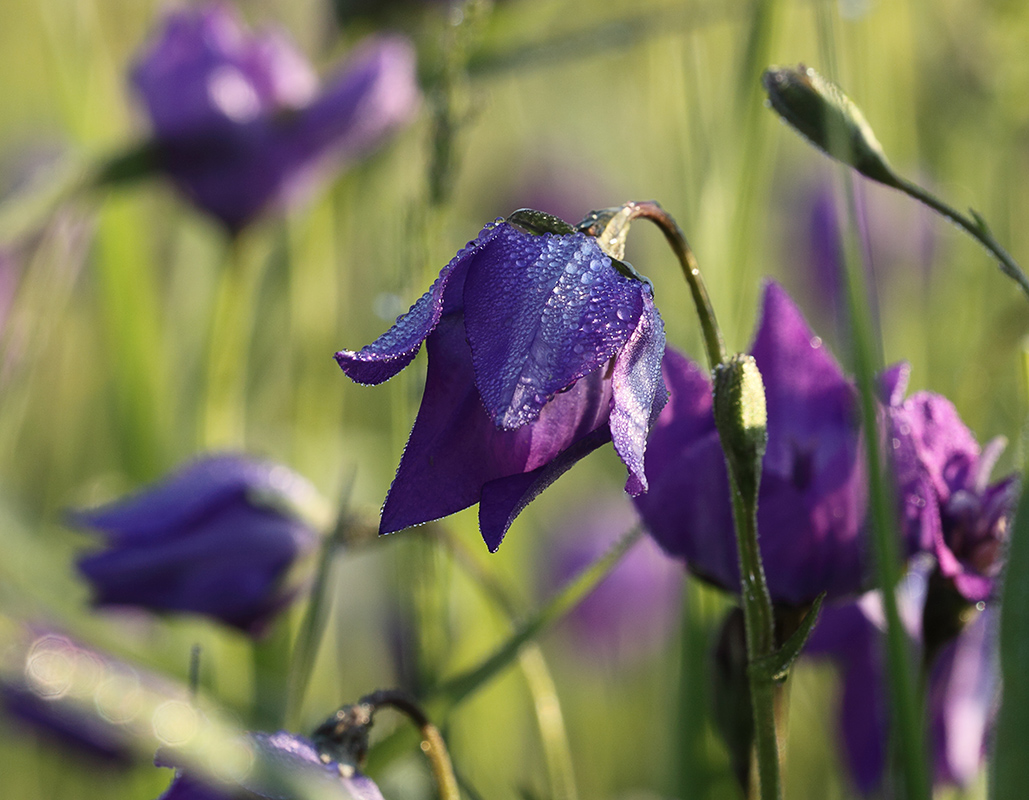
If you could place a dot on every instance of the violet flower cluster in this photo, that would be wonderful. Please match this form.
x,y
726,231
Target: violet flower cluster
x,y
540,351
217,538
239,121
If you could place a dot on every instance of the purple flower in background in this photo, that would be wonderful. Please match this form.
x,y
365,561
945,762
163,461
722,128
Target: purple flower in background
x,y
540,351
239,121
218,537
962,684
36,702
631,613
962,518
812,501
292,758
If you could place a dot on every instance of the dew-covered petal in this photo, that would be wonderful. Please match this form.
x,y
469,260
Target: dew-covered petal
x,y
395,349
946,447
455,448
195,491
542,312
639,392
893,383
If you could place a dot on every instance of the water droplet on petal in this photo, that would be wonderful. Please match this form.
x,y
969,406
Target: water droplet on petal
x,y
816,342
623,313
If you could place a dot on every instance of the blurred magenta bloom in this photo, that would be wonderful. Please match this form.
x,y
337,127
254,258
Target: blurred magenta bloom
x,y
292,757
239,121
540,351
632,612
963,680
218,538
963,518
813,494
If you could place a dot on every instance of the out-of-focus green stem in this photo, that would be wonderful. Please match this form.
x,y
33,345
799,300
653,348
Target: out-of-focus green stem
x,y
546,703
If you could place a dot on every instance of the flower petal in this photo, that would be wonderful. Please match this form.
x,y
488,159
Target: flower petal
x,y
542,312
639,392
455,449
395,349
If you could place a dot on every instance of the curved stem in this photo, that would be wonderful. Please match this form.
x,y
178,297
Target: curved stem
x,y
976,228
433,746
713,341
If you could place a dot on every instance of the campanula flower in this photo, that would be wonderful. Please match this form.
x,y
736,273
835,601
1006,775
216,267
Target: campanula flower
x,y
812,501
292,757
218,538
239,122
962,518
631,613
962,682
541,349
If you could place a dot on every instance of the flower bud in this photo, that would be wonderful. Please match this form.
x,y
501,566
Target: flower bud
x,y
820,111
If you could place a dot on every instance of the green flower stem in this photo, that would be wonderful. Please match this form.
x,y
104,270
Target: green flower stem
x,y
224,422
270,662
453,692
549,717
740,419
975,226
713,341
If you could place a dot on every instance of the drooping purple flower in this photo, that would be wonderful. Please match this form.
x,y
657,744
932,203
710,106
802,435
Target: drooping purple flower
x,y
218,538
291,758
630,614
238,119
963,519
812,501
961,690
540,351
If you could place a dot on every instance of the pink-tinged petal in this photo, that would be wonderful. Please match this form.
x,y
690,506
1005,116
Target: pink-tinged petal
x,y
893,383
455,449
395,349
541,312
639,393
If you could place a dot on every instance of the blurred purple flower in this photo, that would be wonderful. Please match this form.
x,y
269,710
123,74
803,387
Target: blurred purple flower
x,y
963,681
631,613
40,704
812,501
540,351
238,119
291,757
963,519
218,537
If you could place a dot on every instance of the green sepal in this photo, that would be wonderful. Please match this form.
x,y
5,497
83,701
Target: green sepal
x,y
539,222
776,666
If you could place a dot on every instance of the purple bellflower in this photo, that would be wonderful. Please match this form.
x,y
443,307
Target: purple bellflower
x,y
631,613
238,119
963,679
218,538
813,493
961,518
541,349
295,758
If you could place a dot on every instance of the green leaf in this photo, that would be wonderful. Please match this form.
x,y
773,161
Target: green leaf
x,y
776,666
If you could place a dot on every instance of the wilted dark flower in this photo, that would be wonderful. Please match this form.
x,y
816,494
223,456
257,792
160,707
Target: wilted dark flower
x,y
288,758
238,120
630,614
963,680
540,351
962,518
217,538
812,501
